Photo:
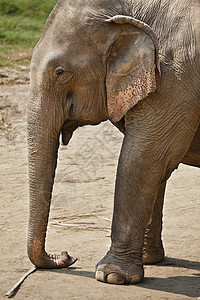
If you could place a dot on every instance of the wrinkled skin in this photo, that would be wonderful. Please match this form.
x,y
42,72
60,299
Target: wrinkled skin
x,y
95,61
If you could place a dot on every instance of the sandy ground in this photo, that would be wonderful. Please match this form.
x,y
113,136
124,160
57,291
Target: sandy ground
x,y
82,210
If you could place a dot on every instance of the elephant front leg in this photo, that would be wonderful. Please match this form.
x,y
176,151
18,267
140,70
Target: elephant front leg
x,y
138,179
153,251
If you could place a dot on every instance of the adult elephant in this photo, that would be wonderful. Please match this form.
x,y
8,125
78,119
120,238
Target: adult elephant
x,y
99,60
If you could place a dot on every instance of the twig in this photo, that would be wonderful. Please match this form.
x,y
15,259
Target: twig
x,y
78,227
101,217
17,285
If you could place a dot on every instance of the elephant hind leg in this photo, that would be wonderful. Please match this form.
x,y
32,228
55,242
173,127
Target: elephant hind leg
x,y
192,156
153,251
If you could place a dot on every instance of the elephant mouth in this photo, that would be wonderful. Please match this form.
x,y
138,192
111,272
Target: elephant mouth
x,y
67,130
66,137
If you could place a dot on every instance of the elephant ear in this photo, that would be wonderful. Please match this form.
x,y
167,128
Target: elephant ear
x,y
132,66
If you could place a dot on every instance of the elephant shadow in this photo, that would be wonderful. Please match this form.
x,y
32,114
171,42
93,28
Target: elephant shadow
x,y
180,263
180,285
76,271
177,285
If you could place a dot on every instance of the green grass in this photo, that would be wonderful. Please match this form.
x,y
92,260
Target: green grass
x,y
21,23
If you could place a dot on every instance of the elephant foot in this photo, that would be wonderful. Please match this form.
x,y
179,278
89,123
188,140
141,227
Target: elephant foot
x,y
115,270
153,255
63,260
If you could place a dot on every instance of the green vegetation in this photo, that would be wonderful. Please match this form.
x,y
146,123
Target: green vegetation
x,y
21,23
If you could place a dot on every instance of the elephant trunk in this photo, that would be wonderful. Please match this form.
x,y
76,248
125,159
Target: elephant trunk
x,y
43,143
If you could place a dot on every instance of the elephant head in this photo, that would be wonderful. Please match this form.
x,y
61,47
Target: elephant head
x,y
83,71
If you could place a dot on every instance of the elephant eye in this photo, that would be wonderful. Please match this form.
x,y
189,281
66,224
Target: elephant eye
x,y
59,71
62,76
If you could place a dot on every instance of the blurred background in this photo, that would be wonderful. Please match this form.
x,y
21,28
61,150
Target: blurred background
x,y
21,23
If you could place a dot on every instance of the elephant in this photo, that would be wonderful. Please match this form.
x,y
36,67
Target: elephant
x,y
137,64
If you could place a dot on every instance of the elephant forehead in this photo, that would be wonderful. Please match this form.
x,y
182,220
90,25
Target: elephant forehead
x,y
76,56
73,55
65,42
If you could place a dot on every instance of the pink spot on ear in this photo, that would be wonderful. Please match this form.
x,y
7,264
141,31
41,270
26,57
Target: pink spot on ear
x,y
122,102
132,90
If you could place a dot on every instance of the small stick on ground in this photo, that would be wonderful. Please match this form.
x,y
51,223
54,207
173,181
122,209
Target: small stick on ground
x,y
17,285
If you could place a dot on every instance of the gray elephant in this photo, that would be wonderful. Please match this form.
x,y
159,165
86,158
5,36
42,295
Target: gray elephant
x,y
136,63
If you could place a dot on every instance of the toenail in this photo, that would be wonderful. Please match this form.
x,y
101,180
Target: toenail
x,y
115,278
136,279
99,275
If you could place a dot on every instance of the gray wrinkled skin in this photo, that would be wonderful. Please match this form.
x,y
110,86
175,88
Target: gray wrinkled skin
x,y
135,62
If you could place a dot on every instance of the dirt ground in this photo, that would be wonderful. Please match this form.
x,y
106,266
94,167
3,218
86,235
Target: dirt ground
x,y
81,213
